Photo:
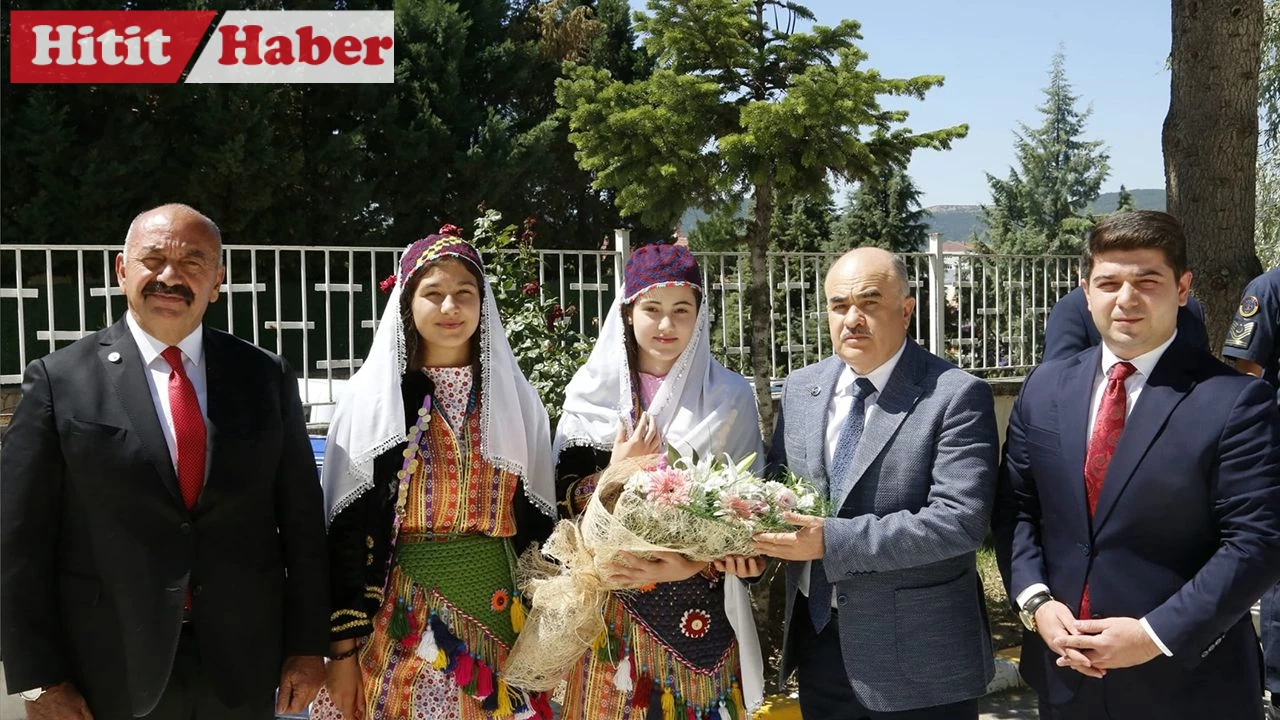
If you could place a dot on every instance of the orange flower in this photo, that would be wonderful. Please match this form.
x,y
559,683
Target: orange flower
x,y
500,600
647,587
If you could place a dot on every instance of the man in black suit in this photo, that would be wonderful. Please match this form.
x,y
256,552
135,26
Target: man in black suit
x,y
162,533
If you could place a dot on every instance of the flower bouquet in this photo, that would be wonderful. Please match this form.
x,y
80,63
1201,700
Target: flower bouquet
x,y
703,508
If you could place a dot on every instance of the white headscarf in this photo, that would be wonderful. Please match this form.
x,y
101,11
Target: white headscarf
x,y
370,416
701,406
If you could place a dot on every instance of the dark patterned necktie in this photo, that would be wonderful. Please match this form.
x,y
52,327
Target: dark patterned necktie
x,y
1107,429
837,476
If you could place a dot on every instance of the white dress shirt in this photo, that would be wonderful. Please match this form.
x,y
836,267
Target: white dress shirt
x,y
158,370
1144,364
838,412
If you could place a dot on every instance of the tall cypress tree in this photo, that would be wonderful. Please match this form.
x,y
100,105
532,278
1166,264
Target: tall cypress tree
x,y
1039,207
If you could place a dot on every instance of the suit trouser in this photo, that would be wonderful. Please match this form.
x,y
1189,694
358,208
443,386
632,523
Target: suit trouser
x,y
190,696
825,693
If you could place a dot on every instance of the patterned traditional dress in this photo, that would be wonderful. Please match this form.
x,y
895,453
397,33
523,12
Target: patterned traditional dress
x,y
669,650
429,564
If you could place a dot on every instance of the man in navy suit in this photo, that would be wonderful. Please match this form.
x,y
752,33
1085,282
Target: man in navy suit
x,y
1138,515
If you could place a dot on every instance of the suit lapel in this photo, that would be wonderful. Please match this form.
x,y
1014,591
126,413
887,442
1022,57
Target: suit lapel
x,y
893,405
819,399
221,402
1169,383
122,362
1073,423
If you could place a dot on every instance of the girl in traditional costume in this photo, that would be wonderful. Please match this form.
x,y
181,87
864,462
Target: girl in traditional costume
x,y
437,474
684,644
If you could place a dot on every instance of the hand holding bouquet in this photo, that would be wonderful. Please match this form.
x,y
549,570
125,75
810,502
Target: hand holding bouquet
x,y
704,509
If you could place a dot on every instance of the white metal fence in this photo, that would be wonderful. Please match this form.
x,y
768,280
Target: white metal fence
x,y
318,306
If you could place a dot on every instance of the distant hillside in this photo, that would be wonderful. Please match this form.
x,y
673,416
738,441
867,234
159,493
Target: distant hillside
x,y
958,222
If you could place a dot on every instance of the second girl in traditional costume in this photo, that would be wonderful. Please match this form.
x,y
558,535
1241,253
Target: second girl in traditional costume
x,y
687,646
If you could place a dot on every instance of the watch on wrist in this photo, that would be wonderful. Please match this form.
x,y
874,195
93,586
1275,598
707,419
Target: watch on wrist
x,y
32,695
1028,613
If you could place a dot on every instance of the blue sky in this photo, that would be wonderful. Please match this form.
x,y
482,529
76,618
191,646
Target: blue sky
x,y
995,55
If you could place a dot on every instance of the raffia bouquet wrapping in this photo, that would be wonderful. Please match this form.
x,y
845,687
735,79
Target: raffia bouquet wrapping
x,y
704,509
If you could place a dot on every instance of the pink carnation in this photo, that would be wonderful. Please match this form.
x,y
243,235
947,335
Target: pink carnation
x,y
741,507
667,487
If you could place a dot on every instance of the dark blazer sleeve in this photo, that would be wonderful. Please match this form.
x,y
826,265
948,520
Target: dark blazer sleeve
x,y
30,498
1245,495
1064,333
300,519
1015,521
1191,324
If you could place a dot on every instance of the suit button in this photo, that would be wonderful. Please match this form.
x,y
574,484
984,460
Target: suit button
x,y
197,589
1096,616
1084,549
185,528
842,600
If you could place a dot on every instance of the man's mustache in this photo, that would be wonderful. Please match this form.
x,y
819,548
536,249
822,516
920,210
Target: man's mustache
x,y
156,287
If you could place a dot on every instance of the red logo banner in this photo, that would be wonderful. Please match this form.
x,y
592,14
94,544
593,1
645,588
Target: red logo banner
x,y
125,46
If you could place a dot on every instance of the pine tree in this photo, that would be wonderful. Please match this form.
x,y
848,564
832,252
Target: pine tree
x,y
1038,208
804,223
1125,203
883,212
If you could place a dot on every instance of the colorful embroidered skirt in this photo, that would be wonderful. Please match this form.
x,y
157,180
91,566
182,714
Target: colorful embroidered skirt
x,y
443,632
667,653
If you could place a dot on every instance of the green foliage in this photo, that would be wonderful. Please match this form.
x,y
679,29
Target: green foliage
x,y
1037,209
733,102
1125,202
1269,75
805,223
541,332
471,118
883,212
1267,231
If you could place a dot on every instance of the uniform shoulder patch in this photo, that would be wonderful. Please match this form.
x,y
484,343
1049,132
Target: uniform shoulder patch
x,y
1241,333
1248,306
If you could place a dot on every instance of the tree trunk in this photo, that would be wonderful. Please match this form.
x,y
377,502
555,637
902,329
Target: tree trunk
x,y
761,310
1210,148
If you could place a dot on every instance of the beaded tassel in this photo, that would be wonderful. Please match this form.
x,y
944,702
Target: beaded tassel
x,y
398,627
640,698
484,685
622,676
738,706
517,613
504,709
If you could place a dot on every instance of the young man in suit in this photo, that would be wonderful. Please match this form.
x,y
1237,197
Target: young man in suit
x,y
885,617
163,528
1139,512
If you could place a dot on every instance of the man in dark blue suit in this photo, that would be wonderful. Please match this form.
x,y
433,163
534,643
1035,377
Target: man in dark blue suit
x,y
1138,515
1069,328
1252,346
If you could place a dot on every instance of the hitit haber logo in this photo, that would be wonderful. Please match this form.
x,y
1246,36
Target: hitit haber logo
x,y
135,46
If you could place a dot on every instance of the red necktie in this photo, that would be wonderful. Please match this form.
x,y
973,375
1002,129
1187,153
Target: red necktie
x,y
1107,429
188,428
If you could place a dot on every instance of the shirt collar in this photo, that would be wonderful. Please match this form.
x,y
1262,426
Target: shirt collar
x,y
1144,363
192,346
878,377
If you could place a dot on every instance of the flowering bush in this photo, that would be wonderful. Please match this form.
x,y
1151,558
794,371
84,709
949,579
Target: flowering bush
x,y
542,335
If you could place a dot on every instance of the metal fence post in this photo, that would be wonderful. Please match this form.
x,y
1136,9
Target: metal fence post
x,y
621,251
937,296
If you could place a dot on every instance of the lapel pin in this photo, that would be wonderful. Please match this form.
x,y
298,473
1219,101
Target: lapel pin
x,y
815,391
113,357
